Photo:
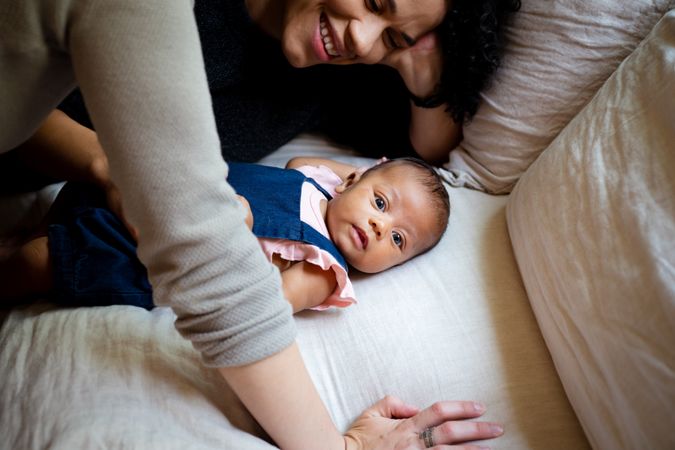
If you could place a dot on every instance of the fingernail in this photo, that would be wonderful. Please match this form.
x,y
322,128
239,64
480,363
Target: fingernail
x,y
478,407
496,429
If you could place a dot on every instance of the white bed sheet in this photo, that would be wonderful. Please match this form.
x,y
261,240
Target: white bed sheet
x,y
454,323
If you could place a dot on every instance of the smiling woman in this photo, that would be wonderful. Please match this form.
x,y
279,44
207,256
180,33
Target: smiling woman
x,y
261,99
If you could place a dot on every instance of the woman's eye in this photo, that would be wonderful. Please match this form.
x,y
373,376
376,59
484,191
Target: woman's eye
x,y
379,202
390,40
398,239
373,6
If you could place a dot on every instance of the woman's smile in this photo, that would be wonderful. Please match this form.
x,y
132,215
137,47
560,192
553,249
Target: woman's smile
x,y
325,42
330,43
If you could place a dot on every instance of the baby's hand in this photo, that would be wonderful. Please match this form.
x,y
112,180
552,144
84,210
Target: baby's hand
x,y
249,213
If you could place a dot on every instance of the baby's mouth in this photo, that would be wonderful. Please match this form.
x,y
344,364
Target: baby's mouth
x,y
327,36
362,236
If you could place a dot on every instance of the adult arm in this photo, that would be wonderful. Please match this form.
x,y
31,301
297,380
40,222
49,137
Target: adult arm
x,y
388,424
433,133
65,150
140,71
141,74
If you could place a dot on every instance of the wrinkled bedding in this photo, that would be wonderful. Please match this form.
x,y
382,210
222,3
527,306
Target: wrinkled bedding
x,y
454,323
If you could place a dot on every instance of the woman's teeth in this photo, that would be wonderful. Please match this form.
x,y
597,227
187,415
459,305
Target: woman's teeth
x,y
327,39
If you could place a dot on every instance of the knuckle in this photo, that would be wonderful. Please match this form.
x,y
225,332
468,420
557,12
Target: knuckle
x,y
447,430
438,408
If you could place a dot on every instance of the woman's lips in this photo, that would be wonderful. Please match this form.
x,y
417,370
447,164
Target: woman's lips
x,y
330,42
318,44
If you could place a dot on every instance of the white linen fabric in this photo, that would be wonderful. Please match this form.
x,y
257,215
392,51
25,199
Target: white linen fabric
x,y
593,228
558,54
453,323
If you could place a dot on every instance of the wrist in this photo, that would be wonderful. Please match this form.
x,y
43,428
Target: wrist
x,y
350,442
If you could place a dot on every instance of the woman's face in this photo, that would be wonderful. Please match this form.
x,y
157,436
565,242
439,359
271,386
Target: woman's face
x,y
354,31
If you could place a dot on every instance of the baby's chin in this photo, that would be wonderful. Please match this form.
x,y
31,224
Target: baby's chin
x,y
366,268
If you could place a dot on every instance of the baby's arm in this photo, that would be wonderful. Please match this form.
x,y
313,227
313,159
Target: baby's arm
x,y
307,285
342,170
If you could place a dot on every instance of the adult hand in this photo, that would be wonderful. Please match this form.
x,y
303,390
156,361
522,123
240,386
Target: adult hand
x,y
391,424
420,66
433,133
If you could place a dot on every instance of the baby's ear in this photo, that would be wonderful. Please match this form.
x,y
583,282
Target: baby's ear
x,y
351,179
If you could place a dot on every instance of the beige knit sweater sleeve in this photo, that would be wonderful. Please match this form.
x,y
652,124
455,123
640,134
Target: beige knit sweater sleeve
x,y
139,66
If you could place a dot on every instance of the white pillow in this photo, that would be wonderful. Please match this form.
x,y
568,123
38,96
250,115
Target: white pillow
x,y
558,54
593,229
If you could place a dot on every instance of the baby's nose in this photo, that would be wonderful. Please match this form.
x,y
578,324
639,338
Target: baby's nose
x,y
377,226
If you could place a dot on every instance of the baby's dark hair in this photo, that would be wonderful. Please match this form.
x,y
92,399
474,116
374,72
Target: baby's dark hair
x,y
471,36
432,182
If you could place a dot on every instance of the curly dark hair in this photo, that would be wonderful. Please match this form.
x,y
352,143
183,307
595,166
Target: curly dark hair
x,y
472,42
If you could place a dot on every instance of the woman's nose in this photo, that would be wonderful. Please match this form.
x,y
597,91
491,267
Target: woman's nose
x,y
362,36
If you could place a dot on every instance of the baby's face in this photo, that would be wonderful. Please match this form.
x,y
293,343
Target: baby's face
x,y
382,220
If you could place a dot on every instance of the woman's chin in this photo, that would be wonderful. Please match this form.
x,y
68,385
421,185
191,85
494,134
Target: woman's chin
x,y
296,57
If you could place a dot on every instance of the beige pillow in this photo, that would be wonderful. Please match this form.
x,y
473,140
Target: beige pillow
x,y
592,224
559,52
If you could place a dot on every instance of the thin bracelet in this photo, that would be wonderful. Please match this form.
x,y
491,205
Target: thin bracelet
x,y
432,101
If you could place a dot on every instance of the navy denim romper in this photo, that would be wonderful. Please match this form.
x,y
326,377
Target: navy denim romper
x,y
94,256
274,195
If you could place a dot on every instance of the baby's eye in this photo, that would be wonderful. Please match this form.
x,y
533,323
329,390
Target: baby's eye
x,y
380,203
398,239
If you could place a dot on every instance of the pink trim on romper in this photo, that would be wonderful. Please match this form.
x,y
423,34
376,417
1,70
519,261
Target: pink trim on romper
x,y
310,213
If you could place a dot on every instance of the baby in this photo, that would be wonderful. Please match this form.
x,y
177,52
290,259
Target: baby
x,y
313,219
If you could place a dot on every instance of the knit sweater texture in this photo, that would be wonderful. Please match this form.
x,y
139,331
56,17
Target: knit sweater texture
x,y
139,66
